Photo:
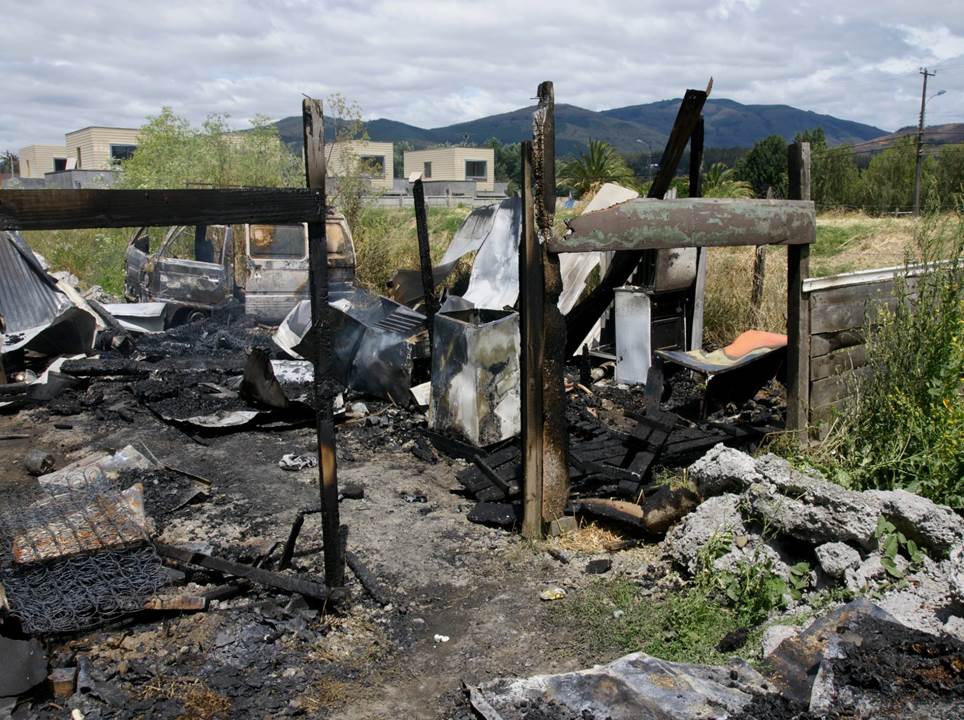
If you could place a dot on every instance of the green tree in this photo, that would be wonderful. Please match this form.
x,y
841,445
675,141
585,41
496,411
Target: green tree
x,y
508,163
173,154
765,166
719,181
950,177
835,180
888,182
600,164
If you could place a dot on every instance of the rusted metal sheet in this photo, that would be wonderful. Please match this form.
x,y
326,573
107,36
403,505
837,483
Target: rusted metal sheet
x,y
644,224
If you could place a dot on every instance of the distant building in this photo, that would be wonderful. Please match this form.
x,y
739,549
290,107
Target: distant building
x,y
35,160
454,164
379,158
100,148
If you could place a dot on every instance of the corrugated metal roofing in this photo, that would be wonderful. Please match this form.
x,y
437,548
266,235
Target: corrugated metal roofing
x,y
27,296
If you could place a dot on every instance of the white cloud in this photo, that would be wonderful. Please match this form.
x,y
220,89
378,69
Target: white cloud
x,y
438,62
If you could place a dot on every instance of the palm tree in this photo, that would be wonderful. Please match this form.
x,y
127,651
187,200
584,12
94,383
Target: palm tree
x,y
720,182
598,165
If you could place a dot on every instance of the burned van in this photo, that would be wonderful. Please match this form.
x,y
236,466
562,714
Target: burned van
x,y
201,269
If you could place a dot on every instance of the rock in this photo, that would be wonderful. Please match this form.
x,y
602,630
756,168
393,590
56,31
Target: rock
x,y
756,552
723,470
562,526
352,491
665,507
955,572
356,410
599,566
776,634
811,509
38,461
717,515
923,601
936,528
870,572
836,558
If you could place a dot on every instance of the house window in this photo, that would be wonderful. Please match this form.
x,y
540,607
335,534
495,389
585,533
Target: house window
x,y
374,165
427,174
60,164
121,152
475,170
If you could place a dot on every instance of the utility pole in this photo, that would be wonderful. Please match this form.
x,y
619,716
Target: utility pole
x,y
920,140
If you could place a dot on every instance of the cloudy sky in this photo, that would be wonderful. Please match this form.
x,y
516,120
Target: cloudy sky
x,y
67,64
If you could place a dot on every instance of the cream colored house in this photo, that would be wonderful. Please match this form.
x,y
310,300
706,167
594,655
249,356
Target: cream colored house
x,y
454,164
35,160
379,158
100,148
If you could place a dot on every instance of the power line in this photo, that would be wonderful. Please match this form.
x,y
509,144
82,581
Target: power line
x,y
920,139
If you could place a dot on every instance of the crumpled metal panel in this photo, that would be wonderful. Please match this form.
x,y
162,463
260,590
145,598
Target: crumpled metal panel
x,y
373,341
37,315
492,232
632,687
475,376
28,296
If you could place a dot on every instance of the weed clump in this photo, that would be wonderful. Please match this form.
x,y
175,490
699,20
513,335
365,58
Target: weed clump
x,y
905,428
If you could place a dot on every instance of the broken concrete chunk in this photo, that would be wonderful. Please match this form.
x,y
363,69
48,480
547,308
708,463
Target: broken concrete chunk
x,y
723,470
290,461
563,525
717,515
936,528
836,558
756,553
810,508
775,635
38,461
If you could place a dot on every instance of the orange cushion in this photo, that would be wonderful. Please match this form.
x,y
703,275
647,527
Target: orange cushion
x,y
753,340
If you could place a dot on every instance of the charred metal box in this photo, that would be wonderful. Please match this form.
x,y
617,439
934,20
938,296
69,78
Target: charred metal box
x,y
475,375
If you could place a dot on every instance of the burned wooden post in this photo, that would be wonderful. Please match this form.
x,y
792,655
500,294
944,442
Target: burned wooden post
x,y
555,435
798,317
425,257
531,289
695,313
314,137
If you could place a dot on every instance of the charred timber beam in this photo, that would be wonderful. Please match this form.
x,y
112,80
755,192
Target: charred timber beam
x,y
581,318
555,430
289,583
690,222
425,257
324,384
67,209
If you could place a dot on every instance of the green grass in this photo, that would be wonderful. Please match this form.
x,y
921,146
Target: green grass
x,y
682,627
94,256
834,239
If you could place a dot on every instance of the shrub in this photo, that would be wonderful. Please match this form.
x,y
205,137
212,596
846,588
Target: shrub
x,y
906,426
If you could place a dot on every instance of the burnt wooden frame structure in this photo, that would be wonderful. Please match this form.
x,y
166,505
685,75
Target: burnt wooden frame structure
x,y
73,209
630,229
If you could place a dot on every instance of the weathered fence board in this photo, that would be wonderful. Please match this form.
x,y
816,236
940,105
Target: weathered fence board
x,y
836,387
837,361
68,209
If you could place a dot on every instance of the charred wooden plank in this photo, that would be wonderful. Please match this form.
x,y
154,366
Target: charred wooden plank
x,y
67,209
798,311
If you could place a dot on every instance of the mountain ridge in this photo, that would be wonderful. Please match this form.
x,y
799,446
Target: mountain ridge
x,y
630,129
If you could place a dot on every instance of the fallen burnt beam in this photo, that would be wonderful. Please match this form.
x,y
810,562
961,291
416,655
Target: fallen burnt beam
x,y
690,222
69,209
289,583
